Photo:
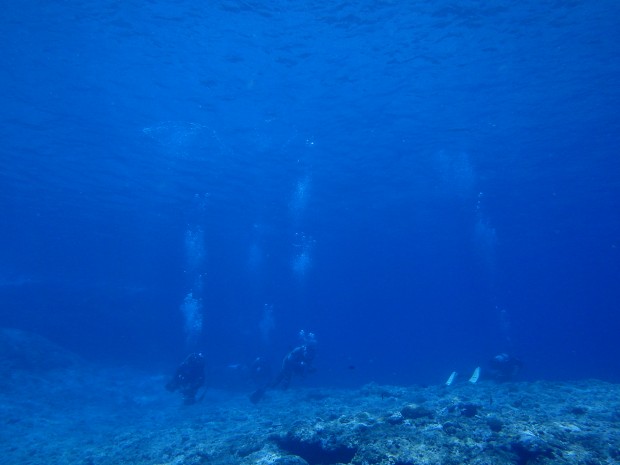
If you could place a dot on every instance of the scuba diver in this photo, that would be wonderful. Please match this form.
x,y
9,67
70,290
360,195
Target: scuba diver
x,y
297,362
504,367
189,377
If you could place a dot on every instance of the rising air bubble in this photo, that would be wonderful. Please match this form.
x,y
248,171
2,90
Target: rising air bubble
x,y
302,261
192,312
194,248
300,197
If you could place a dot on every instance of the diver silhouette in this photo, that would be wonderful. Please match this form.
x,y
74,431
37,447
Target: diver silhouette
x,y
298,362
188,378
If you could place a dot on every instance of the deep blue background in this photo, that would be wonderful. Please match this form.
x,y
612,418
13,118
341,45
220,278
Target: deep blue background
x,y
422,184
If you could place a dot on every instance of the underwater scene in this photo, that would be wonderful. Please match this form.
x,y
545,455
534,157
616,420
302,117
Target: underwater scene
x,y
310,232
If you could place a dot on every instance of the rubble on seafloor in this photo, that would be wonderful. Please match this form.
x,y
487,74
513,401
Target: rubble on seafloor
x,y
74,414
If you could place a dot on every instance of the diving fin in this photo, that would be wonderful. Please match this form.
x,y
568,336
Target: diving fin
x,y
257,395
451,378
475,376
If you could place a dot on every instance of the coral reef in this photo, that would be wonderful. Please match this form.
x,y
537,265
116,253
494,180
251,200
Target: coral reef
x,y
77,414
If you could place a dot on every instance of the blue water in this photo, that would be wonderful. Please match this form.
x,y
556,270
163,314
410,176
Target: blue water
x,y
421,184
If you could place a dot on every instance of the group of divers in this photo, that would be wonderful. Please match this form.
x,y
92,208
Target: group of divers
x,y
189,377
